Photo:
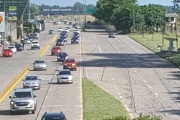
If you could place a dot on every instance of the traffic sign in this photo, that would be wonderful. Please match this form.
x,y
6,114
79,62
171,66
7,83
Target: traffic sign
x,y
90,11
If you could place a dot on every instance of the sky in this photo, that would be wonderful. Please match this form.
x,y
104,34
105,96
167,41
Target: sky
x,y
71,2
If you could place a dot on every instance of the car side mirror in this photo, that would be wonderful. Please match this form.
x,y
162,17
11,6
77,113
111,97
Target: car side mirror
x,y
10,97
39,79
34,96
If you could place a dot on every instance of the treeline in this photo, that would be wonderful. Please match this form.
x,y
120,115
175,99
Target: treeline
x,y
126,15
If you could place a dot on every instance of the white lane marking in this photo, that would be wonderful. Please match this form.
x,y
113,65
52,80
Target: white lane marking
x,y
156,94
135,70
132,117
97,44
140,76
80,73
144,81
87,74
149,86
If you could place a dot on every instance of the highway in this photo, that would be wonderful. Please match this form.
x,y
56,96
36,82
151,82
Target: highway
x,y
144,82
51,96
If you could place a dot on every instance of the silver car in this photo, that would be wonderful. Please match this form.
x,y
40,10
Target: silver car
x,y
23,100
65,76
32,81
39,65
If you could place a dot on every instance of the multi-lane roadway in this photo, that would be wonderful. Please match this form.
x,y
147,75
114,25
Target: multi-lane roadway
x,y
144,82
51,96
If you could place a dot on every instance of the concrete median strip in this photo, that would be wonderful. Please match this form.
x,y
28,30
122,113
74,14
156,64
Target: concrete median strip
x,y
13,83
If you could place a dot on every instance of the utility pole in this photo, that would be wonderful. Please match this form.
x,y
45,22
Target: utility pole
x,y
29,10
176,7
133,21
85,11
5,32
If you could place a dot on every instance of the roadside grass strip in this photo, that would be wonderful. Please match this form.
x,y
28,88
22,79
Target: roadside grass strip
x,y
152,44
13,83
98,104
44,50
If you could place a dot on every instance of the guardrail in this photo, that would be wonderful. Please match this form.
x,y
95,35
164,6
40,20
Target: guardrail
x,y
13,83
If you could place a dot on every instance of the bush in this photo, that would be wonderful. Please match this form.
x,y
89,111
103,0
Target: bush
x,y
147,117
118,118
141,117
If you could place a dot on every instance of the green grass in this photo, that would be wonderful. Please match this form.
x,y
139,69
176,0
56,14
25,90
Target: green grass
x,y
98,104
147,41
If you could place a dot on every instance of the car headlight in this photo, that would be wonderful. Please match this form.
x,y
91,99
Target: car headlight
x,y
12,103
36,65
58,57
70,77
24,83
58,76
65,64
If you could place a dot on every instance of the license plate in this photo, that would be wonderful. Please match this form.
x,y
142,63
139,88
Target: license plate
x,y
21,107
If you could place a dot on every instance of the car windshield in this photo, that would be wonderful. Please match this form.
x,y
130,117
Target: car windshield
x,y
26,39
53,118
11,47
56,48
64,73
35,42
39,61
51,30
74,38
70,60
60,40
63,54
31,78
22,95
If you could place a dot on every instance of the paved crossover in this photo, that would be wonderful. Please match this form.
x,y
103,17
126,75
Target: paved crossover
x,y
51,96
144,82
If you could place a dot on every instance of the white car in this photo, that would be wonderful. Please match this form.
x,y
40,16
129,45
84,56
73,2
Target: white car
x,y
66,30
35,44
13,48
77,30
60,29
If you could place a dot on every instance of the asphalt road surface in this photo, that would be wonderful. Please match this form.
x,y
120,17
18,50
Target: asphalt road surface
x,y
51,96
144,82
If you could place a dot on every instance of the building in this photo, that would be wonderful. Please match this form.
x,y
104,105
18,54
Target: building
x,y
171,20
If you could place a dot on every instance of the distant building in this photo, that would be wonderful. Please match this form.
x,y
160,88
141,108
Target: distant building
x,y
171,19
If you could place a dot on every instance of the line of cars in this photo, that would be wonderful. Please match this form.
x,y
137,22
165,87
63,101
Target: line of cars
x,y
24,99
12,48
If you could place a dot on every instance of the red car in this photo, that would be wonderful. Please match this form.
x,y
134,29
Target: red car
x,y
7,53
70,63
55,50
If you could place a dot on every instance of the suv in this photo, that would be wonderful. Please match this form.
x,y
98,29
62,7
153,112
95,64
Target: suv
x,y
111,35
53,116
70,63
23,100
35,44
